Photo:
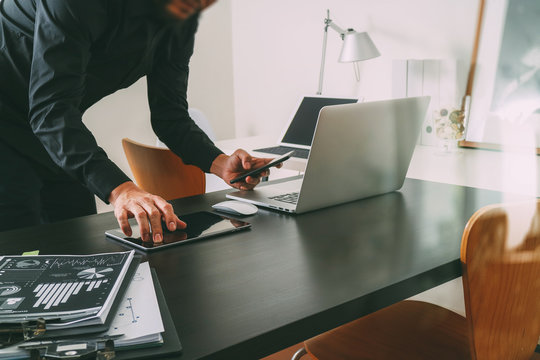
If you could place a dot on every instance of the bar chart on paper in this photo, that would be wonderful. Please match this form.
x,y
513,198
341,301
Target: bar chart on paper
x,y
51,295
66,287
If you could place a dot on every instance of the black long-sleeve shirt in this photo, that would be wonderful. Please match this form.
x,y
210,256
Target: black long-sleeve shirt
x,y
59,57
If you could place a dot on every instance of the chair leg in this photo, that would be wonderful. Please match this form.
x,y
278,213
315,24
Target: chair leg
x,y
297,355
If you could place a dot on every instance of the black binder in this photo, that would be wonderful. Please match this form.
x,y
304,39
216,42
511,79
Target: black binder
x,y
170,347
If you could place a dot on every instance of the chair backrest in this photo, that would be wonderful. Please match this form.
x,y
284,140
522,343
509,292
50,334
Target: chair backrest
x,y
500,255
161,172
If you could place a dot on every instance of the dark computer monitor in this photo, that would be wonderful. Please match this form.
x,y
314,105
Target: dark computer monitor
x,y
302,125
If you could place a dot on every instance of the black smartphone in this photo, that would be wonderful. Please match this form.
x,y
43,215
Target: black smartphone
x,y
200,225
257,171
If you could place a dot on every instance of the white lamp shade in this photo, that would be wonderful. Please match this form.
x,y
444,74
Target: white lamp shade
x,y
357,47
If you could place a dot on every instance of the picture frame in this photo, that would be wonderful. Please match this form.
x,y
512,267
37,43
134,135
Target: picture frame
x,y
502,99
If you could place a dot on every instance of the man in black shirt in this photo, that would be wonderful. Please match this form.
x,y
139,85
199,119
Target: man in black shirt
x,y
57,58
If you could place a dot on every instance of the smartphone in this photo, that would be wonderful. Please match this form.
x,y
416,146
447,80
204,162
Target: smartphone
x,y
257,171
200,225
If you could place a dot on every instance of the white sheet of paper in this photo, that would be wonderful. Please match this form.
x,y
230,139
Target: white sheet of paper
x,y
138,315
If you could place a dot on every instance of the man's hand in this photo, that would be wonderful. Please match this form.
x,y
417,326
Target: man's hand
x,y
130,201
182,9
230,167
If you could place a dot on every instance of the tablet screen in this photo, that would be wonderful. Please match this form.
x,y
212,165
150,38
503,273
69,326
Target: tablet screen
x,y
200,225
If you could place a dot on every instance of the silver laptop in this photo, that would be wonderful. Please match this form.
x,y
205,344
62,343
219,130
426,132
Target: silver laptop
x,y
298,132
359,150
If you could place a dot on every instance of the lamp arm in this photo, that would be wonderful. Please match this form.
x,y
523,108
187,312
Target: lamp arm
x,y
323,59
329,23
332,24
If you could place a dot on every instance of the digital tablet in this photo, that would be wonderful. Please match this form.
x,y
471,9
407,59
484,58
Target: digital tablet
x,y
200,225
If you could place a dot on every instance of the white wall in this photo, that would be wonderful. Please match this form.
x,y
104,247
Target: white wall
x,y
211,78
277,50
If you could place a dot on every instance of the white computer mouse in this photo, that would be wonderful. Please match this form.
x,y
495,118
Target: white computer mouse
x,y
236,207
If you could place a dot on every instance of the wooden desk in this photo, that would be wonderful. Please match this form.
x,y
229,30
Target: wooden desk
x,y
250,294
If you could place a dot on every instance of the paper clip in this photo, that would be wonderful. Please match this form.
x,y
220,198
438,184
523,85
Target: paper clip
x,y
13,333
74,350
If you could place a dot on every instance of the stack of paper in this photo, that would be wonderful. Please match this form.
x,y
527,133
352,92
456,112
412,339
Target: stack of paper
x,y
137,321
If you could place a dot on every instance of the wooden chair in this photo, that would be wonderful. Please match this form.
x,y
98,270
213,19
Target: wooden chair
x,y
500,256
161,172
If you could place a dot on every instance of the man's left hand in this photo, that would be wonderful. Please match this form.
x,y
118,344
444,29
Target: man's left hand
x,y
229,167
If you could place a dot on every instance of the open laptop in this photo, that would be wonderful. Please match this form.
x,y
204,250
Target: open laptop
x,y
359,150
298,132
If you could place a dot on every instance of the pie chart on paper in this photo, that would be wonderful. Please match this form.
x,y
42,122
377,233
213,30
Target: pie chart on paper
x,y
94,273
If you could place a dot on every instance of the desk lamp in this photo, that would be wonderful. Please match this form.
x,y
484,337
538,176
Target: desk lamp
x,y
356,47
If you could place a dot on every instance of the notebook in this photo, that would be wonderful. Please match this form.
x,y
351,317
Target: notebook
x,y
298,132
358,150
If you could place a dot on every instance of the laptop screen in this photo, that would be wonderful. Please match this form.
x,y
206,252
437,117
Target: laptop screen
x,y
303,124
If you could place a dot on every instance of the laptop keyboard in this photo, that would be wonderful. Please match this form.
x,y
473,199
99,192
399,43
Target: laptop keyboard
x,y
291,198
280,150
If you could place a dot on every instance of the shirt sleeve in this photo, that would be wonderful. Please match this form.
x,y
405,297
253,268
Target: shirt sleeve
x,y
167,97
64,32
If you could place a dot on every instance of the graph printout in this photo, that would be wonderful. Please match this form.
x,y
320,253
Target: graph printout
x,y
59,286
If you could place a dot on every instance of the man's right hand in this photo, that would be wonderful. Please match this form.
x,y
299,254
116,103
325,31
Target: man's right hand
x,y
130,201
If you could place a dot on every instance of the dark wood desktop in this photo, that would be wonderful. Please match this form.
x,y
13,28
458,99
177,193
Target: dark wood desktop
x,y
249,294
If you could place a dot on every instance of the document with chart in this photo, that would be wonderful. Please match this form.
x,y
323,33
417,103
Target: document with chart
x,y
65,290
136,323
138,318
